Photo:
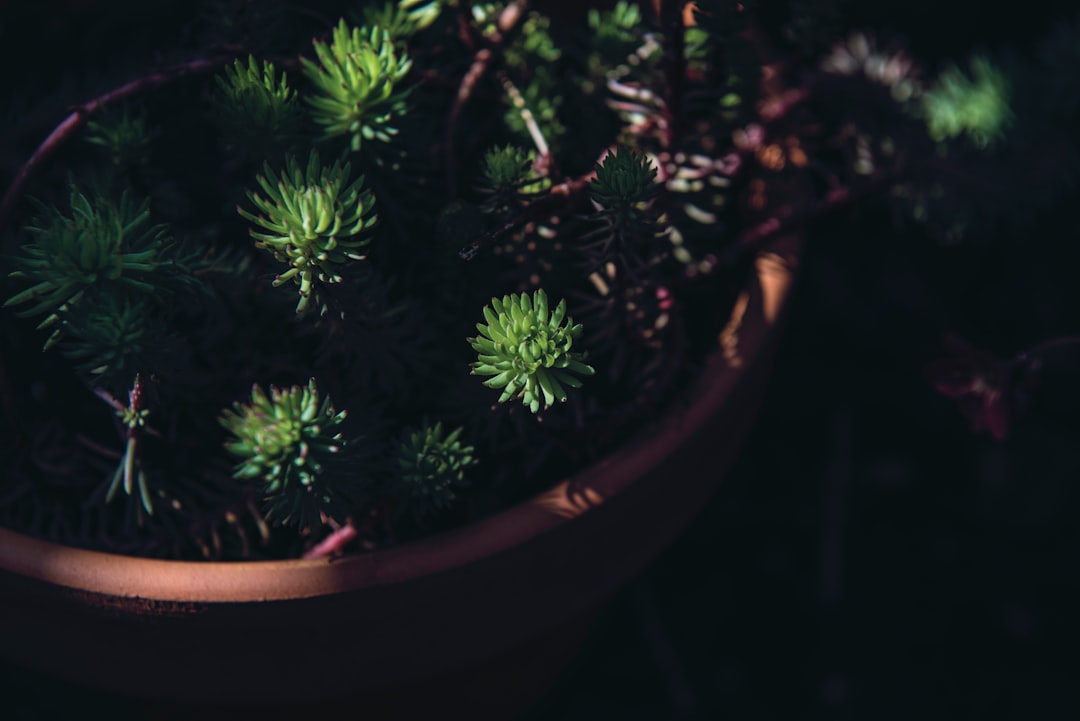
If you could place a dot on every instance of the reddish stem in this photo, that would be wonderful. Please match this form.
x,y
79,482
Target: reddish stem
x,y
481,64
334,543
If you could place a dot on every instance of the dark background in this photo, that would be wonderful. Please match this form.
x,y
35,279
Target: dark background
x,y
869,557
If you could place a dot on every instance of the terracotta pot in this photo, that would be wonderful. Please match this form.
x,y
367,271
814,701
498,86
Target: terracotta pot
x,y
280,631
482,617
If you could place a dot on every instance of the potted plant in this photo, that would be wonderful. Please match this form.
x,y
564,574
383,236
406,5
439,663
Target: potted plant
x,y
386,301
386,352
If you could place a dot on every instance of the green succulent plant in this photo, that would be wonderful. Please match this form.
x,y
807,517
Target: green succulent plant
x,y
124,135
430,469
290,443
506,176
506,168
99,244
130,473
255,108
314,219
112,338
358,77
526,350
484,166
616,30
403,18
976,106
625,181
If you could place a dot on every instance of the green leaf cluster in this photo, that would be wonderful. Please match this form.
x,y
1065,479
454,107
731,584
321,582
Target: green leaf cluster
x,y
100,242
531,59
124,135
358,79
116,338
976,106
431,468
506,168
94,277
507,178
616,32
312,218
402,18
526,350
256,109
289,442
625,182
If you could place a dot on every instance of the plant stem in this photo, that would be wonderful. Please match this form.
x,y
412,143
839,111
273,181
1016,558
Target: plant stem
x,y
479,67
333,543
81,113
542,149
508,20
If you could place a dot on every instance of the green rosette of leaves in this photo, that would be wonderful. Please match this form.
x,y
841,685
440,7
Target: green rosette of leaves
x,y
526,350
315,220
431,468
358,80
290,444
